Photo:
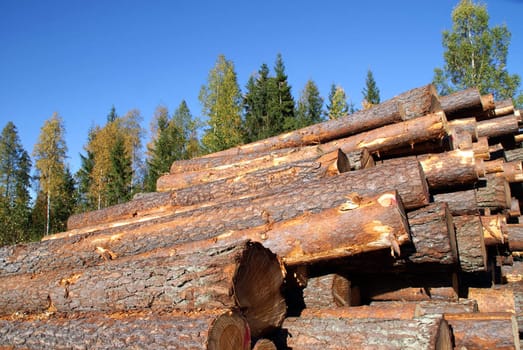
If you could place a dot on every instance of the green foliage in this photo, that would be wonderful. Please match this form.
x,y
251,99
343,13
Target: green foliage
x,y
221,102
476,55
120,173
371,93
259,124
281,102
338,106
309,109
15,166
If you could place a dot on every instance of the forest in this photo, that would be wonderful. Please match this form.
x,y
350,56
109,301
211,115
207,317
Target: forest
x,y
38,191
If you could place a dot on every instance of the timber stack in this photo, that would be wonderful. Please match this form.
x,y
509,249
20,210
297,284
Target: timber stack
x,y
396,227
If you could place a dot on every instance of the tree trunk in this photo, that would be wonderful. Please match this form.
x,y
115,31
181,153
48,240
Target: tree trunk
x,y
465,125
498,126
244,275
471,245
515,237
324,333
411,104
459,202
493,299
464,103
208,221
512,172
482,330
213,329
495,195
514,155
327,291
500,109
460,140
433,235
481,148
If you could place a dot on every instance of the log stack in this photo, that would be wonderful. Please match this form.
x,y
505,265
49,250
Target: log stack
x,y
396,227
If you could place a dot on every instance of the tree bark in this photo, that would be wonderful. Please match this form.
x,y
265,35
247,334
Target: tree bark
x,y
515,237
495,195
494,229
464,125
493,299
244,275
498,126
463,104
482,330
449,169
481,148
207,221
213,329
500,109
459,202
433,235
324,333
514,155
460,140
411,104
471,245
327,291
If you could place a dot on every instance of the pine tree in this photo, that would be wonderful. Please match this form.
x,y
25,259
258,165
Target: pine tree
x,y
221,102
111,117
83,177
281,102
50,154
259,123
15,166
338,106
309,109
371,93
120,173
476,55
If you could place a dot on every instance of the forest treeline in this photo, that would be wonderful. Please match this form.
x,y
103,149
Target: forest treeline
x,y
38,191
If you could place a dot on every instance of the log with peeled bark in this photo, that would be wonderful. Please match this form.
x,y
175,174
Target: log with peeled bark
x,y
245,276
431,332
481,148
459,202
464,125
484,330
514,154
493,299
466,103
209,329
515,237
429,127
514,287
506,125
433,236
471,244
515,210
410,104
264,180
327,291
494,229
461,140
512,171
495,195
207,221
264,344
501,108
378,310
146,204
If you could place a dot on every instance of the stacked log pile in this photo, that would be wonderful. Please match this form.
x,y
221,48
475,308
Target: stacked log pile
x,y
396,227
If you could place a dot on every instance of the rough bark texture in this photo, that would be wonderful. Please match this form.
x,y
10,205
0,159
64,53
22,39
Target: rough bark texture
x,y
481,148
515,237
327,291
244,275
324,333
493,300
449,169
459,202
498,126
495,195
139,330
471,245
433,235
484,330
464,125
514,155
462,104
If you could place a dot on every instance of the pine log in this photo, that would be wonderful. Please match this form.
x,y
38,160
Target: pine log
x,y
483,330
481,148
498,126
514,272
327,291
459,202
431,307
264,344
410,104
429,127
494,229
264,180
501,108
464,103
449,169
212,220
460,140
471,245
324,333
244,275
415,149
146,204
512,171
515,210
433,235
514,155
493,299
495,195
466,125
491,167
515,237
213,329
377,310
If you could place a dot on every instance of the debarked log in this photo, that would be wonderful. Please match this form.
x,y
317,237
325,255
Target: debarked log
x,y
431,332
484,330
410,104
244,275
209,329
471,244
207,221
494,229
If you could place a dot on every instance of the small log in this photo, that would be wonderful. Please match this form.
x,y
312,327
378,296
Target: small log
x,y
210,329
464,125
327,291
483,330
377,310
501,108
449,169
471,245
461,140
264,344
494,229
244,275
459,202
515,237
514,211
324,333
431,307
514,155
493,299
512,171
433,235
481,148
495,195
491,167
464,103
498,126
410,104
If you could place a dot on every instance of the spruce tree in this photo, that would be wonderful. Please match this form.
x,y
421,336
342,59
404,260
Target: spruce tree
x,y
281,102
309,109
259,123
338,106
371,93
476,55
221,104
120,173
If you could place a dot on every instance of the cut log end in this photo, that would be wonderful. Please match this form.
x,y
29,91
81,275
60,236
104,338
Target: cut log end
x,y
257,283
229,331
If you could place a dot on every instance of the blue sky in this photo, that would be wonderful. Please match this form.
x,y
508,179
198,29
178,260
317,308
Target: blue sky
x,y
78,58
